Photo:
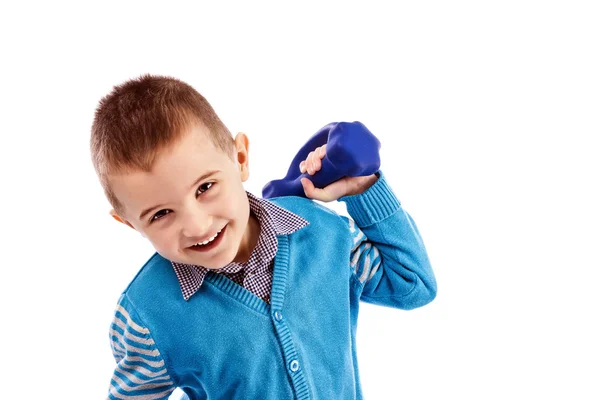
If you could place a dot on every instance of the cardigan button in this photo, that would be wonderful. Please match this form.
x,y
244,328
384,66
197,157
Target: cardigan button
x,y
277,315
294,365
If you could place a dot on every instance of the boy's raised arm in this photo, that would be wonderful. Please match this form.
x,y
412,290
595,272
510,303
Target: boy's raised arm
x,y
388,255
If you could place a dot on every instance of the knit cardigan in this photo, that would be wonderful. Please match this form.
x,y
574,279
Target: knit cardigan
x,y
226,343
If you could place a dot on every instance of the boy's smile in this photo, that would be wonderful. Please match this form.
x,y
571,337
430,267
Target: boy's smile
x,y
209,244
192,206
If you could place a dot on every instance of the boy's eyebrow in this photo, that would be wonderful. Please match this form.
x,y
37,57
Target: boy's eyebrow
x,y
197,181
204,176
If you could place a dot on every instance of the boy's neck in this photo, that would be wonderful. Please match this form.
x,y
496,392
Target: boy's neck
x,y
253,233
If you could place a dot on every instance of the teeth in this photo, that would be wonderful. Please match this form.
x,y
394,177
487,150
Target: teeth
x,y
208,241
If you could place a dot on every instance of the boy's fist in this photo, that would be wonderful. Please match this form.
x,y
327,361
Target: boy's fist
x,y
312,163
345,186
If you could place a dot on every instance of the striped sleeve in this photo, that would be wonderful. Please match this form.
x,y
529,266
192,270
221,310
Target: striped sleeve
x,y
364,256
140,373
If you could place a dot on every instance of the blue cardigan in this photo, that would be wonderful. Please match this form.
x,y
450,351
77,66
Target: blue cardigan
x,y
226,343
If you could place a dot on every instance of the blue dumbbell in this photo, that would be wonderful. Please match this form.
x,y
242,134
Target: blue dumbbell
x,y
352,150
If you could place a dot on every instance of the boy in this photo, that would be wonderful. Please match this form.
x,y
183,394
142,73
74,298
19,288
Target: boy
x,y
245,298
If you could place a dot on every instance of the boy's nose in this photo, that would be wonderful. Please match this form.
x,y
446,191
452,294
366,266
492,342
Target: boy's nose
x,y
196,224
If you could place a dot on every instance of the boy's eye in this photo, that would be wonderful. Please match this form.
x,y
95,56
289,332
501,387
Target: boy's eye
x,y
159,215
199,191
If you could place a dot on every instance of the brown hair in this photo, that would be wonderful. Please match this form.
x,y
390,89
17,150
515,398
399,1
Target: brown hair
x,y
143,116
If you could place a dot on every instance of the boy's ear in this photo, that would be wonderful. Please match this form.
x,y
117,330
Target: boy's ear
x,y
242,148
122,220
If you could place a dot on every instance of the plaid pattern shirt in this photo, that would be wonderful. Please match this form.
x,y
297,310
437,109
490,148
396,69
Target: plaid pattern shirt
x,y
256,275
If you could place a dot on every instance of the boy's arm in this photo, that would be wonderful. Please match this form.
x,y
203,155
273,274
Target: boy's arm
x,y
141,372
388,255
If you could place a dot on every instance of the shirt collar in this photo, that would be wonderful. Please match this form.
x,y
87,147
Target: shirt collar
x,y
274,220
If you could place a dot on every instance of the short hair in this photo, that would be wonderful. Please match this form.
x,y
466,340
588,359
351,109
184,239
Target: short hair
x,y
142,117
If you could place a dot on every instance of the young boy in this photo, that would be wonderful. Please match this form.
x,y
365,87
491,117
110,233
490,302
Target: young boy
x,y
245,298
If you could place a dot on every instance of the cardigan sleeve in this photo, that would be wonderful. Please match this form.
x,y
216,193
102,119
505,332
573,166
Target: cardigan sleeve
x,y
141,371
388,256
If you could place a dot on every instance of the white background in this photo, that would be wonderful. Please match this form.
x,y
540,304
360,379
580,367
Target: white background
x,y
487,114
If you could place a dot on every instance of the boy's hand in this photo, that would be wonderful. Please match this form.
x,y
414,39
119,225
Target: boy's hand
x,y
345,186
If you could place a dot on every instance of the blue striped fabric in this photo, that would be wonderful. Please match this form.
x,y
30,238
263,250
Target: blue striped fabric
x,y
141,373
365,259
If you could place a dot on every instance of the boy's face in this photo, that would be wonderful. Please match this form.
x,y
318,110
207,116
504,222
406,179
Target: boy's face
x,y
176,206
